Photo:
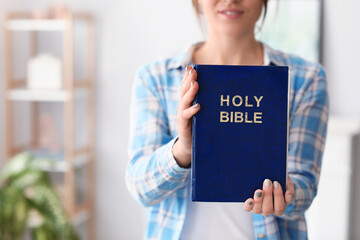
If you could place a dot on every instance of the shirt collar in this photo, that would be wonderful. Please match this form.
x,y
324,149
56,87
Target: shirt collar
x,y
276,57
184,59
271,56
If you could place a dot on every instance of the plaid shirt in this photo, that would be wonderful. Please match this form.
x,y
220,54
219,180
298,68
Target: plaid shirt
x,y
155,179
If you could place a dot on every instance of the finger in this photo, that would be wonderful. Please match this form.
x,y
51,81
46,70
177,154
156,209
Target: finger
x,y
279,201
268,205
192,75
258,198
191,111
248,205
189,96
186,82
185,120
290,191
187,69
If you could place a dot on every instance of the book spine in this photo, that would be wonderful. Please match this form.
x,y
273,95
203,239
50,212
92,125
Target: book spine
x,y
193,151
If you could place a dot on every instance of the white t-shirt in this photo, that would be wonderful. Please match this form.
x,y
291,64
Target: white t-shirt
x,y
214,221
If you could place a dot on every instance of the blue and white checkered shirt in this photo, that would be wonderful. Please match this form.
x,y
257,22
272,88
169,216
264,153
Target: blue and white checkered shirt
x,y
155,179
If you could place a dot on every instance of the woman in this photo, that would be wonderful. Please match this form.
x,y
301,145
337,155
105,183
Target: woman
x,y
160,147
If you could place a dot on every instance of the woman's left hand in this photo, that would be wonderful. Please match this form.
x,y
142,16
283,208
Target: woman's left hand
x,y
270,200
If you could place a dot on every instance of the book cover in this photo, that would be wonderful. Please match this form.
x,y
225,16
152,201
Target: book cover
x,y
240,134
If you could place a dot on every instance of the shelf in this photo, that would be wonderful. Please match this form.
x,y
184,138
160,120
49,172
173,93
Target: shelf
x,y
58,162
38,95
68,160
36,25
76,220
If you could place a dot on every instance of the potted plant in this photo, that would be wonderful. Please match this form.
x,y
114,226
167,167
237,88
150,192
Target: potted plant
x,y
29,203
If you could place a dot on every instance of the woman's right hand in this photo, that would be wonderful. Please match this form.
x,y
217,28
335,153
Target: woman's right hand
x,y
182,147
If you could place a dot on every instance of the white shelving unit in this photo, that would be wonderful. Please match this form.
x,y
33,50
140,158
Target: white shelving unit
x,y
329,216
70,158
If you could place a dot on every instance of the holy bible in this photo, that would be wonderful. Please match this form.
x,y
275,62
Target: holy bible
x,y
240,134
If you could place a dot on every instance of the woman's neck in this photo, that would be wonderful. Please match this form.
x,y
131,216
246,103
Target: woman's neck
x,y
229,51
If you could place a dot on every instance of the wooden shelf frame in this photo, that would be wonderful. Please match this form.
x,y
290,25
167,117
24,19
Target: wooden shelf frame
x,y
15,90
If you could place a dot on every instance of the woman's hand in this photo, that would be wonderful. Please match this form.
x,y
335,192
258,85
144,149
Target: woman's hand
x,y
270,200
182,147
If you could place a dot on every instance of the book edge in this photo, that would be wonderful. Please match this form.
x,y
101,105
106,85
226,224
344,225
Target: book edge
x,y
193,152
288,125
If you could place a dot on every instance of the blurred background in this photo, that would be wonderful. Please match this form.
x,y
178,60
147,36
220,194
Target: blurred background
x,y
88,52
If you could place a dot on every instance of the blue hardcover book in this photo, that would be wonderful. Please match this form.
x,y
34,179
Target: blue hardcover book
x,y
240,134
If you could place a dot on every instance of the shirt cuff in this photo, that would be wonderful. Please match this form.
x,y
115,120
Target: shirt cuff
x,y
293,204
173,168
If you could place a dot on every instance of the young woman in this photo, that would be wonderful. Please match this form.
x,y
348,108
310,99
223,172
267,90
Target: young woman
x,y
160,141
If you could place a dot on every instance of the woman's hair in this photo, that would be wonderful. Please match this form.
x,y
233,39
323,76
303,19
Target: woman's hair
x,y
198,12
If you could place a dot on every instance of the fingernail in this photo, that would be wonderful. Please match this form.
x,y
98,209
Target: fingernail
x,y
250,203
267,183
191,84
276,184
291,197
259,194
190,72
196,105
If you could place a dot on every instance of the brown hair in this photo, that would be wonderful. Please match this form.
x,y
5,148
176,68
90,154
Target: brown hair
x,y
197,9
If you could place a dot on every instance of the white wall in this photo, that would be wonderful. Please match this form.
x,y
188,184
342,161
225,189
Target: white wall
x,y
342,55
129,34
342,63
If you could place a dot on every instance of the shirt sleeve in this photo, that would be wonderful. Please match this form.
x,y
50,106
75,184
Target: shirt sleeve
x,y
152,174
307,133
